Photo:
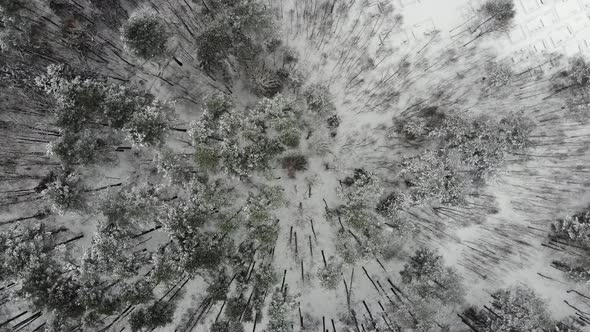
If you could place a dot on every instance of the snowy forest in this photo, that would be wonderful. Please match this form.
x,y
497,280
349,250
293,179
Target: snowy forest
x,y
287,165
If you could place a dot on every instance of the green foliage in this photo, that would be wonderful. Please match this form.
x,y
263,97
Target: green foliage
x,y
146,319
145,35
219,287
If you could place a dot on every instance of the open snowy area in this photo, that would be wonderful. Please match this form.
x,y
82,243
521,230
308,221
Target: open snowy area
x,y
295,165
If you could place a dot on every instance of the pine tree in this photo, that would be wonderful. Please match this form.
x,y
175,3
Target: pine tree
x,y
66,192
148,318
430,278
145,34
513,309
331,274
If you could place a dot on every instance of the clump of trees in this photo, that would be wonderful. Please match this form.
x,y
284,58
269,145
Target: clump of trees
x,y
242,142
498,78
280,312
428,295
575,82
427,275
65,191
88,109
513,309
151,317
462,153
574,230
493,16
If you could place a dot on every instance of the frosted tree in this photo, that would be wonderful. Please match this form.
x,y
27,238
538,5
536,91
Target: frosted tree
x,y
434,175
129,206
226,326
279,312
167,268
513,309
111,250
243,142
426,274
196,247
498,77
576,82
145,34
566,325
148,318
319,99
45,282
86,102
494,16
24,251
148,127
575,228
173,166
360,190
79,148
65,191
331,274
